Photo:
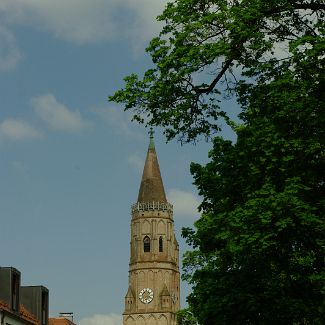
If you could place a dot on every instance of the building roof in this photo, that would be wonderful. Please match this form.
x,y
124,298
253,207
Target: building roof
x,y
4,305
23,312
151,188
60,321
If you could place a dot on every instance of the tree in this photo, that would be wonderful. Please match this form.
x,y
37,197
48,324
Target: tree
x,y
185,317
204,48
259,245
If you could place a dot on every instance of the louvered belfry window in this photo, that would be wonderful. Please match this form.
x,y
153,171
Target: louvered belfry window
x,y
146,244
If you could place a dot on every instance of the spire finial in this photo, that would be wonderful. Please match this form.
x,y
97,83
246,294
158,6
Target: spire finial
x,y
151,133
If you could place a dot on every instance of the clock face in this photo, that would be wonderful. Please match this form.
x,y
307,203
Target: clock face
x,y
146,295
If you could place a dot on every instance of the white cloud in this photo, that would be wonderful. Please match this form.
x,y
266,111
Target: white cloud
x,y
84,21
14,129
9,52
58,116
145,25
185,203
110,319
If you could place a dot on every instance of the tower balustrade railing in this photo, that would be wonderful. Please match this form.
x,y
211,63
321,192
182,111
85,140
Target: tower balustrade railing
x,y
152,206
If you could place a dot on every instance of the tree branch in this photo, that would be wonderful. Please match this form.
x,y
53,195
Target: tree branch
x,y
207,90
311,6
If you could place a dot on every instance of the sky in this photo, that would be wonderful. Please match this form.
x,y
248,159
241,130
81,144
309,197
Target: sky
x,y
70,161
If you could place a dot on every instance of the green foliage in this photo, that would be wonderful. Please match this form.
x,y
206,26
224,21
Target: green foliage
x,y
203,48
260,242
185,317
259,246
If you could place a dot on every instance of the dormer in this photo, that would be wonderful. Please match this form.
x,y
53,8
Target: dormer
x,y
36,300
10,288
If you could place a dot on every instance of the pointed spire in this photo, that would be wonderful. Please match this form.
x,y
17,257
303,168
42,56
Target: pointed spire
x,y
151,188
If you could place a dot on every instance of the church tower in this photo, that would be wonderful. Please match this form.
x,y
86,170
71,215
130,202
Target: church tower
x,y
154,282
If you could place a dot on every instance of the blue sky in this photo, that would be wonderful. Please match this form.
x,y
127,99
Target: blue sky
x,y
70,162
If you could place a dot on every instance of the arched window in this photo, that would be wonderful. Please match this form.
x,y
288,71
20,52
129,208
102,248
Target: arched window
x,y
146,244
161,244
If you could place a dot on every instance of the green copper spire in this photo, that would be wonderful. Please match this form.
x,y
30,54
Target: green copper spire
x,y
151,143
